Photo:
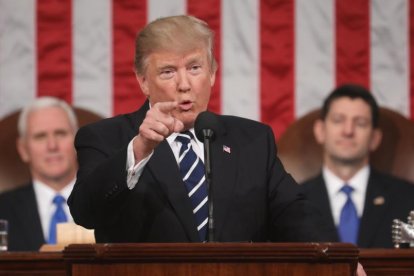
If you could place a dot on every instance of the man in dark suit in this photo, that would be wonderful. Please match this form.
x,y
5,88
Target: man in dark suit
x,y
348,130
46,130
129,187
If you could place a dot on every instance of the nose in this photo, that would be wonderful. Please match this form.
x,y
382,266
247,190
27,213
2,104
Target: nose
x,y
349,128
52,143
183,82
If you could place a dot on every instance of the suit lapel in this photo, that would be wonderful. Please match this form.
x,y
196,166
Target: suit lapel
x,y
319,197
223,157
28,214
171,182
373,212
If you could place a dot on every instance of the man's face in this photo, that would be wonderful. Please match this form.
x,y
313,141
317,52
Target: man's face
x,y
347,133
184,78
48,146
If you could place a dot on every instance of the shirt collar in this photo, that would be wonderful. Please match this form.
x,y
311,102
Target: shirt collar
x,y
171,138
48,192
358,182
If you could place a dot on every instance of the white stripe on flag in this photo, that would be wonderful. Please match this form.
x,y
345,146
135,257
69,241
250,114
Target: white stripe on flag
x,y
162,8
92,56
390,54
17,54
314,53
240,59
315,75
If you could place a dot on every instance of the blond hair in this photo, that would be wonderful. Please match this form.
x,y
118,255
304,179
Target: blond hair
x,y
175,33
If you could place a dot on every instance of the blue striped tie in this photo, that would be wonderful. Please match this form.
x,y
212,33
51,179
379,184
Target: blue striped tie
x,y
192,171
58,217
349,220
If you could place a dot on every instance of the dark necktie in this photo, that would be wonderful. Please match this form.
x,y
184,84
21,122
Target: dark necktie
x,y
349,221
192,171
58,217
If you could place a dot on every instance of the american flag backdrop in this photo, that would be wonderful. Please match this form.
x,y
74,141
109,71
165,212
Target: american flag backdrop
x,y
277,58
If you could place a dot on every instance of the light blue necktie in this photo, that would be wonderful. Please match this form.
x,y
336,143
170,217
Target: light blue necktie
x,y
58,217
349,220
192,171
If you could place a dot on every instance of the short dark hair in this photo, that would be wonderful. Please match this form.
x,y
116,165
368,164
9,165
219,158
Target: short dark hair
x,y
352,91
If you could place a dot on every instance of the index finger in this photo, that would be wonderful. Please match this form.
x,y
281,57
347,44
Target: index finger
x,y
166,107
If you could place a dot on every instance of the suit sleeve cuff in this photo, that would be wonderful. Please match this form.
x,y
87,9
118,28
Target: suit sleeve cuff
x,y
134,171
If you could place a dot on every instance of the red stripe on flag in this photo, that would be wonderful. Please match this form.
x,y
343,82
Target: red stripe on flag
x,y
209,11
54,48
352,42
277,64
411,53
129,16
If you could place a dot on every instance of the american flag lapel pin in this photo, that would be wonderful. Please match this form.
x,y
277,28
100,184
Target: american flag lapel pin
x,y
226,149
379,200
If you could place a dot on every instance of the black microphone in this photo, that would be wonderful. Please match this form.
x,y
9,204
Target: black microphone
x,y
206,129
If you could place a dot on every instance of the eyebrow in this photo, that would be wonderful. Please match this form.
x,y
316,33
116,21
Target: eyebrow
x,y
166,66
197,58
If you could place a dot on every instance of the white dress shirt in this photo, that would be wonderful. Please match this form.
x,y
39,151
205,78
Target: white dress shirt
x,y
44,198
337,199
134,171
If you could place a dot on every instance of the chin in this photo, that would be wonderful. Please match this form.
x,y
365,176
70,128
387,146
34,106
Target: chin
x,y
188,118
349,160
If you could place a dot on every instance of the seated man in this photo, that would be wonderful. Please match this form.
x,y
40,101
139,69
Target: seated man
x,y
354,202
46,130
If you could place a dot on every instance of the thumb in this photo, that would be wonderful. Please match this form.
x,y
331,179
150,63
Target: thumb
x,y
178,126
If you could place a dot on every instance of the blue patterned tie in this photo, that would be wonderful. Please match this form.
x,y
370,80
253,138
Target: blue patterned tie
x,y
58,217
192,171
349,221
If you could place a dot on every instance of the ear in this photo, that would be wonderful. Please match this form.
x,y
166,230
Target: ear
x,y
319,131
213,78
375,139
22,150
143,83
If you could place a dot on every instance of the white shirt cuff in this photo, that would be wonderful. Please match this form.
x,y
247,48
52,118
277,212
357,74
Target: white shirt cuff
x,y
134,171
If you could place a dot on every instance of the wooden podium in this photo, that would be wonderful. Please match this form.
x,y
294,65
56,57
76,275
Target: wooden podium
x,y
211,259
287,258
386,262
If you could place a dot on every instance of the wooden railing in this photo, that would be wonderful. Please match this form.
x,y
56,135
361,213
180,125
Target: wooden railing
x,y
209,259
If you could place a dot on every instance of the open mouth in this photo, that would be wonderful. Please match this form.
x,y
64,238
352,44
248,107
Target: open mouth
x,y
185,105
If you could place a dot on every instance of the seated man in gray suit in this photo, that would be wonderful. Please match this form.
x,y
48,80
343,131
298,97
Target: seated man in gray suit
x,y
354,202
46,129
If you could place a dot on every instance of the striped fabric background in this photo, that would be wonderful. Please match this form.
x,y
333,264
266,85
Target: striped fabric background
x,y
277,58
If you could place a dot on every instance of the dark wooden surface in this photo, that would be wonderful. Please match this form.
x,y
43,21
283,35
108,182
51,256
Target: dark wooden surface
x,y
388,262
208,259
212,259
32,263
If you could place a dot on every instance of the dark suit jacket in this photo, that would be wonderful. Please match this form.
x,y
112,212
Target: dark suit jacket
x,y
19,207
254,198
376,220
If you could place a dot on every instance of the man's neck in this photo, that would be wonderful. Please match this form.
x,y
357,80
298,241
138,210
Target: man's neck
x,y
344,171
57,184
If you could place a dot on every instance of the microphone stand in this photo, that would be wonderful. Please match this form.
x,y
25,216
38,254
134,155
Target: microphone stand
x,y
208,134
